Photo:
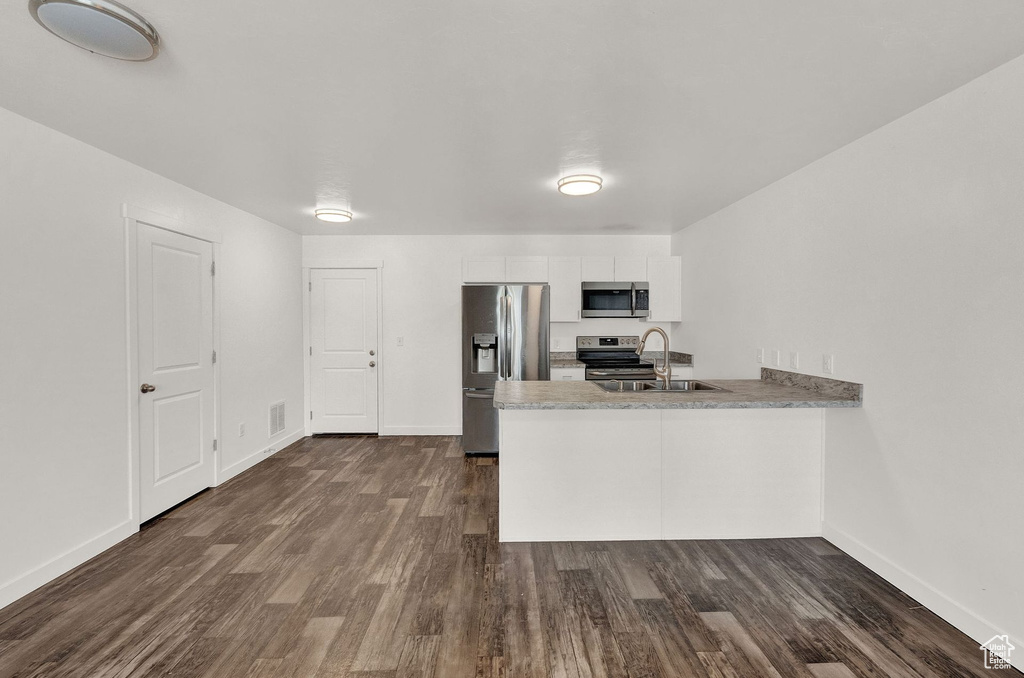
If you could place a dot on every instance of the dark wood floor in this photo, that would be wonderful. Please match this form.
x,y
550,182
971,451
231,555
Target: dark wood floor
x,y
379,559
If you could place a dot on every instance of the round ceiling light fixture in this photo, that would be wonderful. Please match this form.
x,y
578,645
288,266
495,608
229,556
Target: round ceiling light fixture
x,y
334,216
579,184
100,26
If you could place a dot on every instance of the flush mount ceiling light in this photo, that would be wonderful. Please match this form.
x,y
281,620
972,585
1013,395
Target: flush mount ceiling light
x,y
333,216
579,184
100,26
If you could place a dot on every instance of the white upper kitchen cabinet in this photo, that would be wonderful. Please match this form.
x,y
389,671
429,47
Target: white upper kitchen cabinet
x,y
483,270
564,276
598,269
526,269
630,269
665,275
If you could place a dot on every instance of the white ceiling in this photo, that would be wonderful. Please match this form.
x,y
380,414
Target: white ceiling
x,y
458,116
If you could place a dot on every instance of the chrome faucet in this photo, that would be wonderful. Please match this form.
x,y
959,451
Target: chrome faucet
x,y
665,373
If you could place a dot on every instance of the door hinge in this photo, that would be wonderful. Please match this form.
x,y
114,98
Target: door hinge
x,y
310,285
310,350
214,356
213,268
214,444
311,415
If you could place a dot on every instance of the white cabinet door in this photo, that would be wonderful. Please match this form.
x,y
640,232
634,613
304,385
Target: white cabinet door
x,y
630,269
665,274
598,269
565,276
526,269
682,373
568,374
483,269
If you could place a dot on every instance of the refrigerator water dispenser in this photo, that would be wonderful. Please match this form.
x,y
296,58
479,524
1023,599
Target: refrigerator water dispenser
x,y
485,347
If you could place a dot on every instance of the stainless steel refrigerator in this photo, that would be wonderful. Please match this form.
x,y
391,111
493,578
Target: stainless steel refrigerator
x,y
504,338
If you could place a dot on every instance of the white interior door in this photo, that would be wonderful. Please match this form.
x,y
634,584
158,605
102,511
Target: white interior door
x,y
176,380
343,334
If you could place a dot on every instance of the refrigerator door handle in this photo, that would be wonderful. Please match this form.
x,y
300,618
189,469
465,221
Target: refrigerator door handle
x,y
510,316
509,326
500,348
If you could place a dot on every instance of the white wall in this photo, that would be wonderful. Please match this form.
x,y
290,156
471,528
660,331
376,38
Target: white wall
x,y
422,380
64,467
902,254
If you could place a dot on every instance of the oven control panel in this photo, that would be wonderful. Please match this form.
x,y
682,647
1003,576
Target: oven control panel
x,y
607,343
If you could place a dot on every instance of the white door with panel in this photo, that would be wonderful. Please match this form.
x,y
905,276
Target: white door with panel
x,y
175,362
343,351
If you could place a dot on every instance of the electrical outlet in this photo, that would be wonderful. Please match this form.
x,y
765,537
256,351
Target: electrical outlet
x,y
794,360
400,341
241,429
760,356
777,358
269,450
828,363
558,343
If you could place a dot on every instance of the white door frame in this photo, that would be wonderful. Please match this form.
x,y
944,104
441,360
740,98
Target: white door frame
x,y
333,263
133,216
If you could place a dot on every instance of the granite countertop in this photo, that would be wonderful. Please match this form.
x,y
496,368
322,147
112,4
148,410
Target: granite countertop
x,y
568,359
776,388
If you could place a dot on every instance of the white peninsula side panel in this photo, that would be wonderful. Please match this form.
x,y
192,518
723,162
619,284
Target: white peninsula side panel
x,y
572,475
620,474
741,474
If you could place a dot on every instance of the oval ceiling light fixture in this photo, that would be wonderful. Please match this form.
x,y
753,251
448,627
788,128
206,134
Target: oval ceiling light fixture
x,y
579,184
100,26
334,216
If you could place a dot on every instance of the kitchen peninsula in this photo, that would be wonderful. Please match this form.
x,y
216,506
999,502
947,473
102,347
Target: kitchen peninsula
x,y
579,463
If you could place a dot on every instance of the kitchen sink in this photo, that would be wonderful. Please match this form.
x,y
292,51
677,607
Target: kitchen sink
x,y
616,386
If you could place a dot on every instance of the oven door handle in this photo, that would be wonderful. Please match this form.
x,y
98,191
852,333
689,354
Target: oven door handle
x,y
631,373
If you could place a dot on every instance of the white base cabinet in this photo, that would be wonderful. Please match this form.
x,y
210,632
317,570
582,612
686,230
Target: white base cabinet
x,y
568,374
682,373
594,475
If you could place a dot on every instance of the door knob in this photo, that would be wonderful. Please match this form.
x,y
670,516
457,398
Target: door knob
x,y
372,352
373,363
147,388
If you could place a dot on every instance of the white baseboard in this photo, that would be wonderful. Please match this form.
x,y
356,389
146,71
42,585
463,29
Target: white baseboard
x,y
974,626
50,570
258,456
420,431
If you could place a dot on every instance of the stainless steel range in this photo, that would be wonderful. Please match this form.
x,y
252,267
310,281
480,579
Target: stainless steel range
x,y
612,358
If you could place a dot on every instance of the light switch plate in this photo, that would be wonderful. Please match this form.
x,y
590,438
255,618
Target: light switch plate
x,y
777,358
400,341
760,356
794,360
828,363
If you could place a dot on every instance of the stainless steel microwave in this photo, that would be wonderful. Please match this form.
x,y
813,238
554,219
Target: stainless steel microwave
x,y
615,300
